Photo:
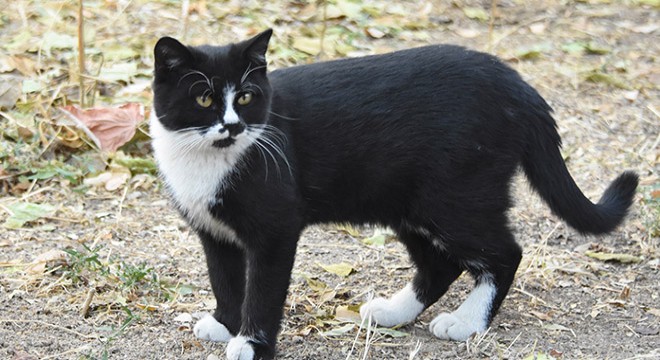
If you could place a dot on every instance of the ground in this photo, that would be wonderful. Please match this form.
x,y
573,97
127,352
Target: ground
x,y
111,271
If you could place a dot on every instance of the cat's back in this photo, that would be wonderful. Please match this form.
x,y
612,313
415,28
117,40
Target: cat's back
x,y
439,76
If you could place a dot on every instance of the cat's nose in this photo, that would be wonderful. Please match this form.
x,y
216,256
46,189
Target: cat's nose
x,y
235,128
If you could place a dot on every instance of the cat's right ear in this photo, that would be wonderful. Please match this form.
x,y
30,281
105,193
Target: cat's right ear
x,y
170,54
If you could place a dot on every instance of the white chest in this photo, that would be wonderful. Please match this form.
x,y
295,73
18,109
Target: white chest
x,y
195,173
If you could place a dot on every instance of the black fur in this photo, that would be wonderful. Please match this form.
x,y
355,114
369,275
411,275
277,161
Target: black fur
x,y
422,138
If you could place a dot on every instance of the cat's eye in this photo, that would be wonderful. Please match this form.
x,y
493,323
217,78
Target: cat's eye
x,y
204,101
244,98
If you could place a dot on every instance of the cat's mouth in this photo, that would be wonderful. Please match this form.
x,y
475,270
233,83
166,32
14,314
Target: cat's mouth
x,y
223,143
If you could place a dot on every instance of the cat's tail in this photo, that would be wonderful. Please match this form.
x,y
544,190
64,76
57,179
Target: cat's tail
x,y
547,172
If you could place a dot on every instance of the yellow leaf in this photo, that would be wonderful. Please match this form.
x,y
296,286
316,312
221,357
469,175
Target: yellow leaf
x,y
341,269
346,313
622,258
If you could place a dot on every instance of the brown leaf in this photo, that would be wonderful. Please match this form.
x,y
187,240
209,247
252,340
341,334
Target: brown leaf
x,y
109,128
541,315
51,257
345,313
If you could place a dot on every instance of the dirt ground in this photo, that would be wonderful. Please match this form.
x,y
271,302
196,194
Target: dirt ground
x,y
142,271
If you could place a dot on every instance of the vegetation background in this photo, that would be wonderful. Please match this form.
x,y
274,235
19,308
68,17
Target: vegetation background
x,y
95,264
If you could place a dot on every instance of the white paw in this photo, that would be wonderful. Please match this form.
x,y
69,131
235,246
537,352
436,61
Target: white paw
x,y
239,349
208,328
381,312
452,327
402,308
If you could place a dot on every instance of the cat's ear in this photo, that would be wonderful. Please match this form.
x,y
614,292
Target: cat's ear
x,y
255,49
169,54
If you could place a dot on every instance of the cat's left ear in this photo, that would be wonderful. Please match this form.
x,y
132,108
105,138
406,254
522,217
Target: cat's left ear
x,y
255,49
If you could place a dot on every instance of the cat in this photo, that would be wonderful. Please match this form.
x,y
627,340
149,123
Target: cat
x,y
424,140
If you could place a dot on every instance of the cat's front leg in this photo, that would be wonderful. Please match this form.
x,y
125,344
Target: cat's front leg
x,y
268,274
226,266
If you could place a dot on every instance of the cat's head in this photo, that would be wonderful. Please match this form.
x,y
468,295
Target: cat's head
x,y
218,93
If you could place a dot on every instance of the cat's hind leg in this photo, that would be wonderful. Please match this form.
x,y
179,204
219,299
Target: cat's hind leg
x,y
493,262
435,272
226,266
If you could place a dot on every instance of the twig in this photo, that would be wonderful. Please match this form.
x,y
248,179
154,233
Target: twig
x,y
415,350
84,312
81,52
491,24
50,325
121,202
323,28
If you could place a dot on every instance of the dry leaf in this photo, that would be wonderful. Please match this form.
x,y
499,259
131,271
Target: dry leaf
x,y
537,29
341,269
467,33
622,258
109,128
111,180
345,313
541,316
375,32
52,257
10,90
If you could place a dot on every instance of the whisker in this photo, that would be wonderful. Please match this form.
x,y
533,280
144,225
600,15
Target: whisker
x,y
248,71
195,72
278,150
277,164
282,116
194,84
188,129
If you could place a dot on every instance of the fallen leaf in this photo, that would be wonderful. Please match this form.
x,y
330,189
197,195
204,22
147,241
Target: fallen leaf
x,y
10,90
42,261
537,29
540,315
111,180
375,32
315,285
348,313
348,229
136,165
556,327
339,331
147,307
597,49
341,269
122,71
476,13
390,332
380,237
647,330
655,312
109,128
599,77
467,33
24,212
631,95
532,52
622,258
52,40
307,45
646,29
538,356
574,48
183,317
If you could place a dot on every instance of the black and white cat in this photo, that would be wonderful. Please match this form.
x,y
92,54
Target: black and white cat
x,y
424,141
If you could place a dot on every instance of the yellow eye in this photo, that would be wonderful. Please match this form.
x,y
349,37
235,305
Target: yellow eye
x,y
245,98
204,101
